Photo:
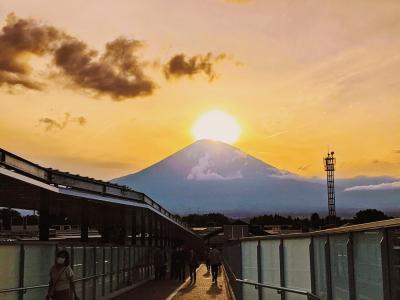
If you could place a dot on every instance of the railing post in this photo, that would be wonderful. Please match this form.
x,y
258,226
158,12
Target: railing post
x,y
259,269
350,267
21,270
312,265
94,280
328,269
84,274
385,265
103,279
282,267
111,268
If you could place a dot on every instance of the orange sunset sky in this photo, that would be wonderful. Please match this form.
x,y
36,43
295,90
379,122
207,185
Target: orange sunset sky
x,y
297,77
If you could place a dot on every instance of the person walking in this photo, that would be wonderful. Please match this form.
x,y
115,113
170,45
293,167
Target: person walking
x,y
208,265
181,264
174,261
215,261
193,265
61,285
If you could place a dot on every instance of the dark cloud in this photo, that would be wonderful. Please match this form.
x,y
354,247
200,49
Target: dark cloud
x,y
20,38
397,151
116,73
60,125
180,65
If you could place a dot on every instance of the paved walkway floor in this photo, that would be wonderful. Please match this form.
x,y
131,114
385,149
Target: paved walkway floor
x,y
203,288
174,290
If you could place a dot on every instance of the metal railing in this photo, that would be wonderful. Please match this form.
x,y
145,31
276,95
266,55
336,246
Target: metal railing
x,y
100,270
278,289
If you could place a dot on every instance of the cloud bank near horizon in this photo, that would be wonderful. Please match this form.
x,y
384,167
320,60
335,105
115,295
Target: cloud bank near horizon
x,y
375,187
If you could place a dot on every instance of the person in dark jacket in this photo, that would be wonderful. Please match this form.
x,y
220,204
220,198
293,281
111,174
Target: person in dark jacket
x,y
215,261
181,264
193,265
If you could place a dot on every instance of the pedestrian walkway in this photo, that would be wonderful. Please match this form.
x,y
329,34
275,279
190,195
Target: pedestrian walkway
x,y
173,290
203,289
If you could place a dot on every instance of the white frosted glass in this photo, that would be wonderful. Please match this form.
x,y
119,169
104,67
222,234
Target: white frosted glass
x,y
78,269
339,267
115,268
99,270
297,266
249,268
107,270
9,266
320,267
270,268
89,271
38,261
368,265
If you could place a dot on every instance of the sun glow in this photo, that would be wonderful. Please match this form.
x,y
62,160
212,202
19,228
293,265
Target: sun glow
x,y
217,125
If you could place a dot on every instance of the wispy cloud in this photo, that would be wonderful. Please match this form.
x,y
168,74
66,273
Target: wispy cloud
x,y
375,187
52,124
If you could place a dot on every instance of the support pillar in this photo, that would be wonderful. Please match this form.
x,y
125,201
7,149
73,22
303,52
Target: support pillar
x,y
150,216
121,228
134,227
84,224
143,227
44,216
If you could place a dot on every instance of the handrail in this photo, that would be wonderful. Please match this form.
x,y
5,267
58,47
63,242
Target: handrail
x,y
279,289
41,286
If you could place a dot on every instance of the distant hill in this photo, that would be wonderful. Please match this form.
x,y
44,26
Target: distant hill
x,y
209,176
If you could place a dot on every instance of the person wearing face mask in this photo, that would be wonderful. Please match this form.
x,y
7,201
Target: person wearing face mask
x,y
61,285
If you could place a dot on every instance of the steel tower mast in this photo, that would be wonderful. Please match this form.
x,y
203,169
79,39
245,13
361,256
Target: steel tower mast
x,y
329,163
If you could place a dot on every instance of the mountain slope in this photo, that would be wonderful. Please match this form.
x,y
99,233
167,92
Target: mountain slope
x,y
209,176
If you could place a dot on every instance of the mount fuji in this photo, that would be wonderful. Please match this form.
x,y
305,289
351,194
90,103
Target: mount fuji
x,y
210,176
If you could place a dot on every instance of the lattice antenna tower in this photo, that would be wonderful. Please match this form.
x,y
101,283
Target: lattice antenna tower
x,y
329,163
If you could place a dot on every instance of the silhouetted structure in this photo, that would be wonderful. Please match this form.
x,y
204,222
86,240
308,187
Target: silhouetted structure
x,y
329,163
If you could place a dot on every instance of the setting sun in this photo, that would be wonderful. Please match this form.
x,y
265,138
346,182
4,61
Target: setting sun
x,y
217,125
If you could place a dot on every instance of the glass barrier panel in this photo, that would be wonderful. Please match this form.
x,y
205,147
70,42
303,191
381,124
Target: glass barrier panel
x,y
89,271
107,270
339,266
297,270
321,289
249,268
78,269
99,270
121,261
114,282
38,261
270,268
368,265
126,266
9,266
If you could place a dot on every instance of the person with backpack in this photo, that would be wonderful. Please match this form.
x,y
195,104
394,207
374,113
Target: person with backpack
x,y
61,285
215,260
